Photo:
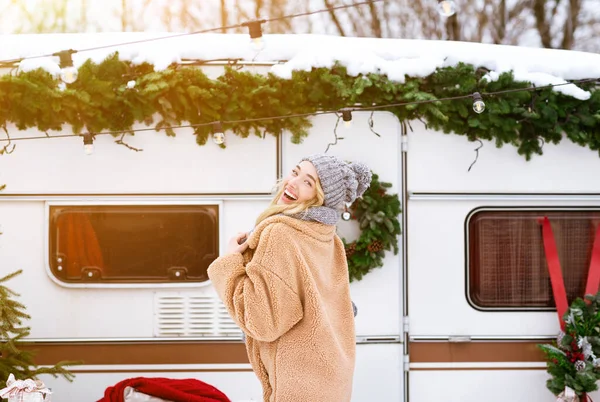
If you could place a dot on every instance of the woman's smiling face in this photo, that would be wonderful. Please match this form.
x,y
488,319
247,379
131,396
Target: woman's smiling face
x,y
300,185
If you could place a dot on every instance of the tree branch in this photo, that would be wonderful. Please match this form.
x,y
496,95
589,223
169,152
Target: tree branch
x,y
375,22
123,15
571,24
542,25
499,31
224,16
258,8
334,18
453,28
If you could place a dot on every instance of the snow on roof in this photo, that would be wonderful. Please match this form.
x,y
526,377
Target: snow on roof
x,y
392,57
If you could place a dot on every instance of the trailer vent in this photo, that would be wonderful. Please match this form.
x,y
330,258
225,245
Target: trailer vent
x,y
192,316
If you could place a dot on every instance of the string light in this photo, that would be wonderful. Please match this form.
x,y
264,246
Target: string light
x,y
88,143
257,41
218,134
346,215
446,8
68,73
347,117
311,114
478,104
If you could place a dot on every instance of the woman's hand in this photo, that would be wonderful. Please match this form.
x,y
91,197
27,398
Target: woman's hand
x,y
234,245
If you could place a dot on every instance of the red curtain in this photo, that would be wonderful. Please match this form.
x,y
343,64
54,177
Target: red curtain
x,y
78,242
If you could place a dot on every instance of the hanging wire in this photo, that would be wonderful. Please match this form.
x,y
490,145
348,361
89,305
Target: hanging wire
x,y
372,123
476,154
121,142
5,149
331,144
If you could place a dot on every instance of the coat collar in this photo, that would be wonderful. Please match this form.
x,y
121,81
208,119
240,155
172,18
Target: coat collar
x,y
316,230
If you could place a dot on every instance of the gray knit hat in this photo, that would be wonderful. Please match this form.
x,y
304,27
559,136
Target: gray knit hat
x,y
341,181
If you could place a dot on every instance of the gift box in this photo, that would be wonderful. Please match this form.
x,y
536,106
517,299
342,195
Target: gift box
x,y
28,397
25,391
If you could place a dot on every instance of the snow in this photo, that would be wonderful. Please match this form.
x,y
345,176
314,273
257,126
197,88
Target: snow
x,y
395,58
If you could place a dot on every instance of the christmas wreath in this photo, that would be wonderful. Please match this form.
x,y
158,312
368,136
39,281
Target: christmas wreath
x,y
377,214
573,360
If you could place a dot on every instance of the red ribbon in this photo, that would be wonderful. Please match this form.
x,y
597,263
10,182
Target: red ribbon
x,y
556,278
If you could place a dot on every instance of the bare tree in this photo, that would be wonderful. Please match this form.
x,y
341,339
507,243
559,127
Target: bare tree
x,y
224,20
56,17
334,18
551,15
567,24
83,15
124,15
513,22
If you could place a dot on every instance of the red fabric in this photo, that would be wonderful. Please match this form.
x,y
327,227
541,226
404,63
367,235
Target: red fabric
x,y
556,278
176,390
77,240
594,274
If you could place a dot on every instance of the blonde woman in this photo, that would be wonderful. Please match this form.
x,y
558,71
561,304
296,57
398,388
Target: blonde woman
x,y
287,286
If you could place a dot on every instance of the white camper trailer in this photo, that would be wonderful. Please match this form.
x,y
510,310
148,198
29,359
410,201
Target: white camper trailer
x,y
440,321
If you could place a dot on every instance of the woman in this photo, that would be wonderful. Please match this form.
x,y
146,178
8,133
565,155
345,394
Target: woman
x,y
287,285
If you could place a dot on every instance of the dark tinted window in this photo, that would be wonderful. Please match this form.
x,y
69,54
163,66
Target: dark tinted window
x,y
506,259
129,244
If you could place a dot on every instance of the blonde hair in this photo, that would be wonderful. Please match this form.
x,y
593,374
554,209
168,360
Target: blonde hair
x,y
291,209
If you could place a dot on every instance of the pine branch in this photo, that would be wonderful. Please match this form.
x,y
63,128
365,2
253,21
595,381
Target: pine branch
x,y
14,360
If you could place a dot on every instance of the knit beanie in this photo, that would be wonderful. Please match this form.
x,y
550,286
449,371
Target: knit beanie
x,y
342,182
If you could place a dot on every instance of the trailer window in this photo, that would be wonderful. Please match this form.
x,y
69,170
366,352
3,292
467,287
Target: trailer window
x,y
133,243
506,259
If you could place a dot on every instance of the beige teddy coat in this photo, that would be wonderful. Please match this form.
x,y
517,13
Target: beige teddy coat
x,y
290,294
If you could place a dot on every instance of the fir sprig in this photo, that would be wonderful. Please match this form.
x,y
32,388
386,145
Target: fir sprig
x,y
13,359
100,100
573,360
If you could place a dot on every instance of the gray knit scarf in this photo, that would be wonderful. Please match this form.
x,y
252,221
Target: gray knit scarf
x,y
325,215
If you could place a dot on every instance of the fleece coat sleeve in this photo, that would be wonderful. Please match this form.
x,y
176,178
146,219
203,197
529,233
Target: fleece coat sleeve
x,y
262,297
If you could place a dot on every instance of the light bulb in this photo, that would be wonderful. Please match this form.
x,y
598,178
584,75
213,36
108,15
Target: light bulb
x,y
478,104
69,74
88,144
346,215
257,44
218,134
255,30
88,149
446,8
347,117
219,138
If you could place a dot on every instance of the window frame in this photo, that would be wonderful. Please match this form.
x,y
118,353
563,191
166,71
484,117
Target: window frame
x,y
128,202
515,208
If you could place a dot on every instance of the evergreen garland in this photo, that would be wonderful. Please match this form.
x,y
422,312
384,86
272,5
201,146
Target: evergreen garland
x,y
377,214
100,100
14,360
573,360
